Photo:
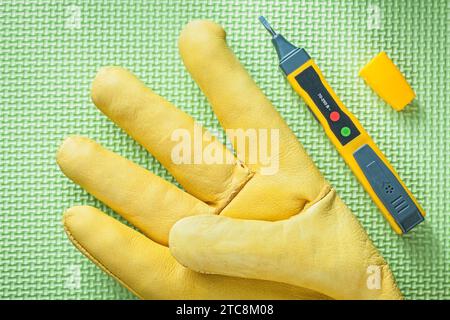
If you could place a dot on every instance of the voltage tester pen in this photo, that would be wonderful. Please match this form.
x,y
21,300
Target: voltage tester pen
x,y
367,162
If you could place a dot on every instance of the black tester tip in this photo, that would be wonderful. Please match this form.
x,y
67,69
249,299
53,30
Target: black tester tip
x,y
266,25
284,48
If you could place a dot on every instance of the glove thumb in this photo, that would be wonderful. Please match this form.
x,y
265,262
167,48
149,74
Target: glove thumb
x,y
324,248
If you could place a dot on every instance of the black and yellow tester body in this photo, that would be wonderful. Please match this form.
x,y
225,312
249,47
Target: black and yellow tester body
x,y
367,162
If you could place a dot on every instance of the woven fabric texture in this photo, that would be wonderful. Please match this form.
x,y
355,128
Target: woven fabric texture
x,y
50,52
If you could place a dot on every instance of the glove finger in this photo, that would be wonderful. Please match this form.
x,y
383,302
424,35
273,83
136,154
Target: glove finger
x,y
234,96
323,248
286,179
149,202
148,269
164,130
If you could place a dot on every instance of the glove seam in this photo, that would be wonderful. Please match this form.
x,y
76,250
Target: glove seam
x,y
324,192
237,190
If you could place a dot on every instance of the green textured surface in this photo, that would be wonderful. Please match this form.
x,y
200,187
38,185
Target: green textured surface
x,y
47,67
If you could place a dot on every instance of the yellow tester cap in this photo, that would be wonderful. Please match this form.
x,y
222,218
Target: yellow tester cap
x,y
383,76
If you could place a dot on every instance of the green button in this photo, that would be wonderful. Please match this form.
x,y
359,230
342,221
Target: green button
x,y
345,131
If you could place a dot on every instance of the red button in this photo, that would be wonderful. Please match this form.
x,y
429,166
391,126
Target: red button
x,y
335,116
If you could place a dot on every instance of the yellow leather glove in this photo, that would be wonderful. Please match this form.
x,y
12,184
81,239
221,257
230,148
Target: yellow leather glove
x,y
321,252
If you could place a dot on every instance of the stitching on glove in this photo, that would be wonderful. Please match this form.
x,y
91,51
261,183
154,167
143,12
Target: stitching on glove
x,y
326,190
238,189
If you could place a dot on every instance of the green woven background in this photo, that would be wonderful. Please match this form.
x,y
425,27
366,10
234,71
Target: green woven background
x,y
47,63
